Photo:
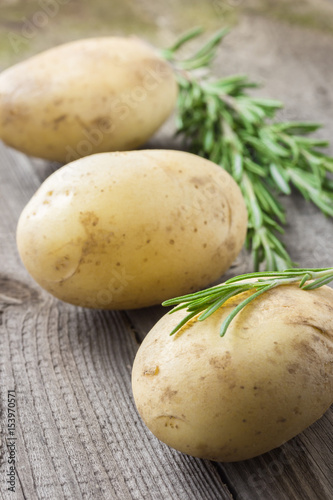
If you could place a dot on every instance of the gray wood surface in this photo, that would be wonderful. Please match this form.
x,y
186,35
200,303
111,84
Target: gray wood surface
x,y
78,433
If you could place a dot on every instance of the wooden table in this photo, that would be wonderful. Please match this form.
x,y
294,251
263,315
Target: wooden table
x,y
78,434
77,431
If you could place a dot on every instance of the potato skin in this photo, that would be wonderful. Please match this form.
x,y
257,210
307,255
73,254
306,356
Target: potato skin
x,y
236,397
131,229
85,97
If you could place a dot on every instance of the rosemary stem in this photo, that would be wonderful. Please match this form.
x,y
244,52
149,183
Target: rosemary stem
x,y
221,122
202,304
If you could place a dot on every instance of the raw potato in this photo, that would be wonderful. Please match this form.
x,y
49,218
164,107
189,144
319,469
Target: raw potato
x,y
85,97
128,230
239,396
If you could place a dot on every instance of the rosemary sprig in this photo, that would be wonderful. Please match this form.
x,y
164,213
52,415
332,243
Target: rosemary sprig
x,y
206,302
223,123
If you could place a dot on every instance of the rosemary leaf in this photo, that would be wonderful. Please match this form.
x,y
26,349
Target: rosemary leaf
x,y
221,122
208,301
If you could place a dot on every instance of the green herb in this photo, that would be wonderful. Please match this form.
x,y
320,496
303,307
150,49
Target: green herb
x,y
208,301
223,123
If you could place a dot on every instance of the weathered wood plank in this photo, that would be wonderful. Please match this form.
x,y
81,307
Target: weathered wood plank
x,y
78,433
302,468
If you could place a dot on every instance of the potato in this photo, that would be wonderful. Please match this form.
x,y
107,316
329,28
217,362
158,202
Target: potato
x,y
128,230
84,97
235,397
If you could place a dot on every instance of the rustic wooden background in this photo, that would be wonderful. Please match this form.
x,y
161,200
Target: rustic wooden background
x,y
78,433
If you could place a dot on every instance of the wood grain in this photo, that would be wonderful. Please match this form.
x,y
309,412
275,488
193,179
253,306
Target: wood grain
x,y
78,432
